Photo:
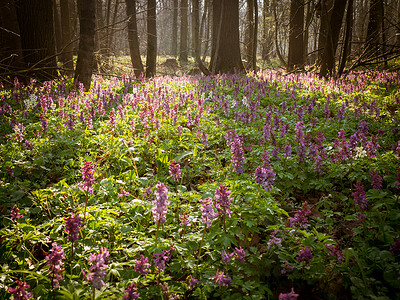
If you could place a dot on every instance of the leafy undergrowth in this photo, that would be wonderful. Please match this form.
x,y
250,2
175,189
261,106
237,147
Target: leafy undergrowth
x,y
224,187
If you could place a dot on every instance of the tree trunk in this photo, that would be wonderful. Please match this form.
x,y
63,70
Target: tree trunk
x,y
57,29
324,7
36,24
84,63
133,38
250,33
374,31
196,37
66,55
151,55
328,59
227,49
183,49
255,36
207,29
296,46
11,58
278,51
309,15
347,37
174,45
398,26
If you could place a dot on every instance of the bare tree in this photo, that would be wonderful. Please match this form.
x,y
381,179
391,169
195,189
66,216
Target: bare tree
x,y
183,49
296,46
84,63
174,45
67,50
151,54
133,38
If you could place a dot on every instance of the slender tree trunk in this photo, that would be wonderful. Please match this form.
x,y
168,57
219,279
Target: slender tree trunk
x,y
296,42
250,33
347,37
133,38
309,15
398,26
323,8
255,36
227,54
151,55
328,59
57,29
278,51
11,58
67,52
374,30
36,26
207,30
174,45
84,63
183,49
196,37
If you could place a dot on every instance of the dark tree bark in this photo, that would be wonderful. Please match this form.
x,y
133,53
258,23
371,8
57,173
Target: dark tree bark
x,y
133,38
255,36
250,33
57,28
347,37
84,63
328,58
67,49
11,58
227,58
196,37
276,19
207,29
374,31
323,10
183,49
296,41
308,19
174,45
151,55
36,24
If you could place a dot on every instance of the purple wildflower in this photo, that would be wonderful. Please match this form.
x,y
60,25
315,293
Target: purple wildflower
x,y
335,252
123,193
10,171
175,170
15,215
360,217
222,278
288,296
160,203
223,200
265,177
20,292
161,258
130,292
274,240
237,155
301,216
305,255
240,254
142,265
72,226
287,151
88,176
226,258
395,248
54,262
112,118
192,282
360,198
286,267
185,221
376,180
398,178
99,262
207,211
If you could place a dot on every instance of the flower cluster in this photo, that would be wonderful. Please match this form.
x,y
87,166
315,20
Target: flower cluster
x,y
185,221
288,296
88,176
160,203
376,180
72,226
305,255
301,216
226,258
15,215
222,278
20,292
175,170
54,262
223,200
273,240
240,254
161,258
395,248
192,282
265,177
207,211
237,154
142,265
359,195
335,252
130,292
99,262
286,267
